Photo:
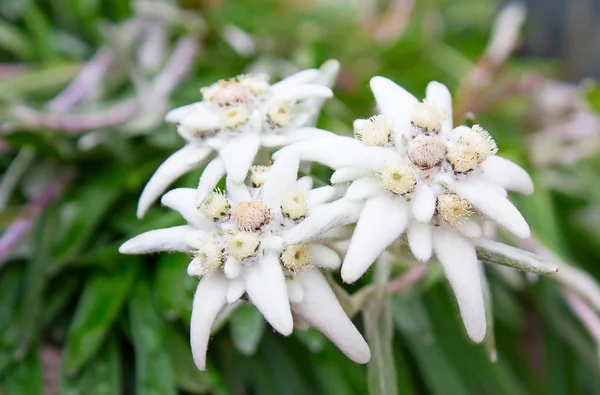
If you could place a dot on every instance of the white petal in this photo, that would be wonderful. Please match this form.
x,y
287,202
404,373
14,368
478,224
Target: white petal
x,y
182,200
382,221
305,91
420,240
265,286
461,268
324,257
176,165
168,239
440,95
299,78
176,115
349,174
211,175
322,310
295,291
239,154
493,205
395,103
364,188
296,135
272,243
507,174
203,118
280,178
470,229
423,203
333,152
305,183
322,219
195,238
237,191
208,302
235,291
232,268
320,196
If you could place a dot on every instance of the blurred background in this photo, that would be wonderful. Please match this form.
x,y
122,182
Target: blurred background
x,y
84,86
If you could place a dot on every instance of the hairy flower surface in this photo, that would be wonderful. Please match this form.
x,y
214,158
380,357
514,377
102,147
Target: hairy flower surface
x,y
235,118
429,180
240,247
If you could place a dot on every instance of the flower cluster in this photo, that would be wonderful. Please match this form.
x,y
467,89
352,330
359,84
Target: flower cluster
x,y
413,173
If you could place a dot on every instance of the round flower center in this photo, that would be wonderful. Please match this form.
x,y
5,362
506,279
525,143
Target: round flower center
x,y
281,113
235,116
243,245
257,84
249,216
452,209
295,257
258,175
228,93
472,148
294,204
398,179
215,205
426,151
208,258
428,116
375,131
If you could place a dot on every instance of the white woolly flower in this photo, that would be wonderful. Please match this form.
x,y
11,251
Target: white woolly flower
x,y
431,181
240,247
235,119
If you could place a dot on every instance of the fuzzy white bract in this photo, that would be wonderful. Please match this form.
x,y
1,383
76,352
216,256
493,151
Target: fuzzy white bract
x,y
239,247
235,118
414,173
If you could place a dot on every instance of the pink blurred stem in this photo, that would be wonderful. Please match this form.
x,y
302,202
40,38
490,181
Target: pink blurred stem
x,y
585,313
19,228
177,67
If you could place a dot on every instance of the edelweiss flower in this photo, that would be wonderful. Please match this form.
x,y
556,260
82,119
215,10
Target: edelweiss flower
x,y
415,173
235,119
238,247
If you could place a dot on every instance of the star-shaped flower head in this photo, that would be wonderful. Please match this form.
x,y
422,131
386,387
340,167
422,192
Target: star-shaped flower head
x,y
417,174
238,247
235,119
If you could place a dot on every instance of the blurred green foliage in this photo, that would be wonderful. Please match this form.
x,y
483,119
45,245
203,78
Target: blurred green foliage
x,y
121,323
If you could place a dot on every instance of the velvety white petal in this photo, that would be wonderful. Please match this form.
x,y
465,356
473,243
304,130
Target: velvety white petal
x,y
176,115
440,95
236,191
305,91
182,200
235,291
364,188
295,291
322,219
208,302
265,286
324,257
211,175
280,178
423,203
239,154
296,135
272,243
168,239
493,205
420,240
391,98
459,261
470,229
202,118
333,152
507,174
232,268
320,196
195,238
176,165
382,221
305,183
299,78
322,310
349,174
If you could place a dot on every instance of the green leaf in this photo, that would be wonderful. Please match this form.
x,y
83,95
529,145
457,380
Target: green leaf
x,y
312,339
102,300
173,288
101,376
247,326
13,40
153,370
592,95
26,376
